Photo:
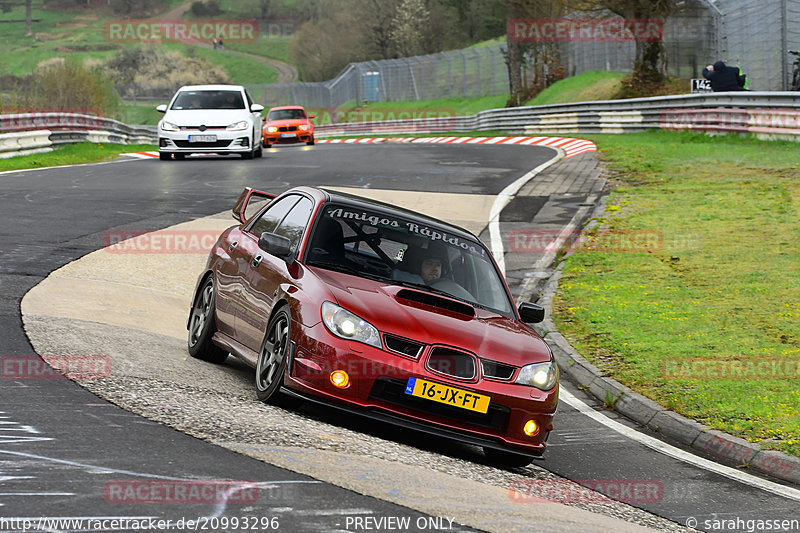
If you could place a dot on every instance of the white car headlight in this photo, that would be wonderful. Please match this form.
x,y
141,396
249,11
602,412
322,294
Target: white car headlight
x,y
169,126
543,376
238,126
346,325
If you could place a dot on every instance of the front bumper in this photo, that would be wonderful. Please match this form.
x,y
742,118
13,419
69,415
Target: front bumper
x,y
376,390
276,138
224,142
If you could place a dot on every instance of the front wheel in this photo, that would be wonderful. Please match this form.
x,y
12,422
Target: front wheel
x,y
272,356
202,326
311,142
164,156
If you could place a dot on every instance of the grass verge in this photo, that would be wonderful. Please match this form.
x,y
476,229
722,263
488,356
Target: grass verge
x,y
720,295
588,86
72,154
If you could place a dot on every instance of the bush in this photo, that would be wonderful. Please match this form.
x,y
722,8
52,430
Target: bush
x,y
206,9
150,68
64,85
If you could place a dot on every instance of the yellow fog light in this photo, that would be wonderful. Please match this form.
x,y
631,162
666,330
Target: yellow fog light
x,y
340,379
531,428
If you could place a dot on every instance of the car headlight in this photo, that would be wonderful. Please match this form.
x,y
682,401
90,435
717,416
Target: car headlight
x,y
272,129
346,325
303,127
169,126
237,126
543,376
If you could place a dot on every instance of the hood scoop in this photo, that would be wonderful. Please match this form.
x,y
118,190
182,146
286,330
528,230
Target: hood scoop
x,y
423,299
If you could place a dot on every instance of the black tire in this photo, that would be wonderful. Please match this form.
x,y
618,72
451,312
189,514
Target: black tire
x,y
202,325
506,459
164,156
180,156
260,151
272,356
267,145
247,155
311,142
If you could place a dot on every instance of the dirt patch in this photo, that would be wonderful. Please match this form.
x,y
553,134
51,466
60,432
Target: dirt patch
x,y
49,36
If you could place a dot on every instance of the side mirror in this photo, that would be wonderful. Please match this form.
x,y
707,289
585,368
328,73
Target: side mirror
x,y
256,108
276,245
264,119
312,115
531,313
162,108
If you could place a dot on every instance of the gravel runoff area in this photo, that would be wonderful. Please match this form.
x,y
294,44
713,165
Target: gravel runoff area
x,y
153,376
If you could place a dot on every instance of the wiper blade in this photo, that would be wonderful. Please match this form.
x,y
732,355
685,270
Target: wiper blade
x,y
338,267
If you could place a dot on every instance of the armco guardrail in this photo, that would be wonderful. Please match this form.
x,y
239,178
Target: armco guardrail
x,y
773,115
766,114
27,133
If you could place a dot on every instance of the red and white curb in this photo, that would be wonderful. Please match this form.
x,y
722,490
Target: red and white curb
x,y
571,147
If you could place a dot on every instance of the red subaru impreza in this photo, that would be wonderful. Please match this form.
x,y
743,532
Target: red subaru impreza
x,y
380,311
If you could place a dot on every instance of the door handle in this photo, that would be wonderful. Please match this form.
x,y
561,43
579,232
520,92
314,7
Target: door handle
x,y
233,246
256,261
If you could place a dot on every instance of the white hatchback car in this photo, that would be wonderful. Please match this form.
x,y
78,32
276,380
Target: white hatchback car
x,y
219,119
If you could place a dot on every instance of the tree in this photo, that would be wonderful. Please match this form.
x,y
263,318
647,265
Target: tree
x,y
540,58
28,18
650,64
264,6
409,27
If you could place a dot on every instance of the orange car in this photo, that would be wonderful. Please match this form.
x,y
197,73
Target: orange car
x,y
288,124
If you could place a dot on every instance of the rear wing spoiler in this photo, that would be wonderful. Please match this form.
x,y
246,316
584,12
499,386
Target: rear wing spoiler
x,y
240,209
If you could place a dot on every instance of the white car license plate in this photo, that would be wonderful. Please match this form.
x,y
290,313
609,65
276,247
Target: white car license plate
x,y
202,138
287,135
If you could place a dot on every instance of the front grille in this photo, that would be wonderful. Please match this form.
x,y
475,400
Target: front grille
x,y
287,128
216,144
393,391
495,370
403,346
453,363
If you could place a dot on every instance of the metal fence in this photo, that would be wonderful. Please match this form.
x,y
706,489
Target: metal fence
x,y
754,34
757,35
467,73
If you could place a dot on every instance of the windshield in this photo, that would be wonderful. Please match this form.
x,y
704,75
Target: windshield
x,y
404,252
208,100
286,114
